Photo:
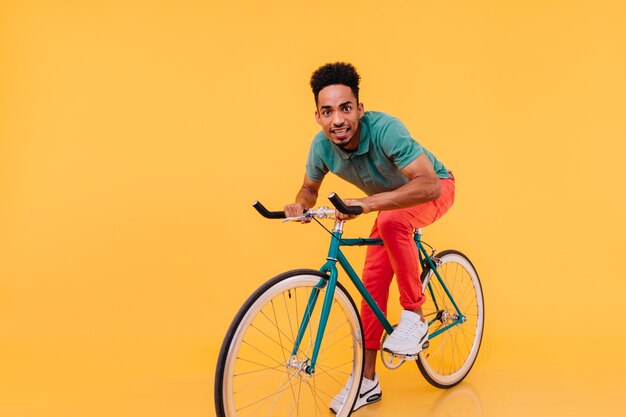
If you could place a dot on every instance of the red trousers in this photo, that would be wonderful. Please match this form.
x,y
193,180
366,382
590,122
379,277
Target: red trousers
x,y
398,256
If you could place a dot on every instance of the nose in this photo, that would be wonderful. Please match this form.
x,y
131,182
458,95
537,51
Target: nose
x,y
338,118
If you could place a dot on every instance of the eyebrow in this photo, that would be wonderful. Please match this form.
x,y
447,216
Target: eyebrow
x,y
341,105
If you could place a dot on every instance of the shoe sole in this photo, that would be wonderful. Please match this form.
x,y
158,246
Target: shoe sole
x,y
371,400
424,346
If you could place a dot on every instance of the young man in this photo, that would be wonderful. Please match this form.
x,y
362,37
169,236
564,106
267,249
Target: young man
x,y
404,183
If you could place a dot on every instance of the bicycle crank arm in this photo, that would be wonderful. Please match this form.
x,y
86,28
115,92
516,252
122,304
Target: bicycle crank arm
x,y
394,360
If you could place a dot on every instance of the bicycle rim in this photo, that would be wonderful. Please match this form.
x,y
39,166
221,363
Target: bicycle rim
x,y
257,374
451,354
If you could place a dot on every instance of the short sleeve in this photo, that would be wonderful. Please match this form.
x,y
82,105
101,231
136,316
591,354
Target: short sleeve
x,y
316,169
398,145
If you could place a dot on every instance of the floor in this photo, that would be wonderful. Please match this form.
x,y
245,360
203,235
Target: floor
x,y
498,389
542,385
512,383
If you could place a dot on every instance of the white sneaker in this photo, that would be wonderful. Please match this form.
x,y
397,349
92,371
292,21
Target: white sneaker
x,y
409,336
369,393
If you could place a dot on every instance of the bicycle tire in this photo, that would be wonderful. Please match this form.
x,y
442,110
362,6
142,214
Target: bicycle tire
x,y
252,374
452,354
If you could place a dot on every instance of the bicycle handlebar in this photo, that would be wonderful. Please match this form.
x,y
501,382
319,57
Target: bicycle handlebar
x,y
333,197
341,206
268,214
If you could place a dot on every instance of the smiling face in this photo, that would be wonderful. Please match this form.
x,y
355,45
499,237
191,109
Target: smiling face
x,y
338,112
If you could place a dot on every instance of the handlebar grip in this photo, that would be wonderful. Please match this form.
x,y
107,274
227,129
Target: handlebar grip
x,y
266,213
341,206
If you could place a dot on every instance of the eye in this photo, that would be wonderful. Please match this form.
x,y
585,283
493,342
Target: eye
x,y
347,108
326,112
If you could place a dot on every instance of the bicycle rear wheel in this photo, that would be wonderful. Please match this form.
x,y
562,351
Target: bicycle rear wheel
x,y
452,353
257,375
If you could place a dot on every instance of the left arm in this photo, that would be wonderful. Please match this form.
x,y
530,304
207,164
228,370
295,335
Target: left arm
x,y
423,186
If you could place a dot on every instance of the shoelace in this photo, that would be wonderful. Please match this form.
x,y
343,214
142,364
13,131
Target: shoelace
x,y
364,385
344,390
406,330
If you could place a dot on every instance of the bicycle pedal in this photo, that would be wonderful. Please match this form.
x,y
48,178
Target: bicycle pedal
x,y
400,356
409,357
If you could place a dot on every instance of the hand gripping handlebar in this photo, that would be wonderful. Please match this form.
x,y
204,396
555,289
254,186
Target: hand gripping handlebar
x,y
341,206
333,197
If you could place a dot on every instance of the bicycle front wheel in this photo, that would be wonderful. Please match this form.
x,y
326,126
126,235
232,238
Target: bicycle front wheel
x,y
258,373
453,351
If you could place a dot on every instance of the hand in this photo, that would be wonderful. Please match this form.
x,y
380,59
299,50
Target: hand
x,y
295,210
360,203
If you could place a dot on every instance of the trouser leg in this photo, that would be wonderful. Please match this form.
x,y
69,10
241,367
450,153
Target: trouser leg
x,y
398,256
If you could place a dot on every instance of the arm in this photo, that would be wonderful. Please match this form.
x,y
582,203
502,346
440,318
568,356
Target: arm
x,y
305,199
423,186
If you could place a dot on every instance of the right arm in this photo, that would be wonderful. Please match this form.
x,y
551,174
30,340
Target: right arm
x,y
305,199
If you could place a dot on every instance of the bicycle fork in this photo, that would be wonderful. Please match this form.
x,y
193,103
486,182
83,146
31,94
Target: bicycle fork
x,y
306,366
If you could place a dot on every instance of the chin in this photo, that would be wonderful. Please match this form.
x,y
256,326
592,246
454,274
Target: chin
x,y
346,145
343,142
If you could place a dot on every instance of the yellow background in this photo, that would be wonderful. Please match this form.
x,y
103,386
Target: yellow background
x,y
135,134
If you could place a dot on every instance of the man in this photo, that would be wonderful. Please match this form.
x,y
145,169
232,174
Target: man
x,y
404,183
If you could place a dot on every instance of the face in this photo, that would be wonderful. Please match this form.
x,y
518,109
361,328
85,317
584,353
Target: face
x,y
339,113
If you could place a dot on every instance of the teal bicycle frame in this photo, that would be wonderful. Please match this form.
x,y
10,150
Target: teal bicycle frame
x,y
330,268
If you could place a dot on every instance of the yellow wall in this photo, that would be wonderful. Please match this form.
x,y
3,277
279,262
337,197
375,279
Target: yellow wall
x,y
135,134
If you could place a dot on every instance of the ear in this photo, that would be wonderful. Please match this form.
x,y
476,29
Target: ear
x,y
317,117
361,110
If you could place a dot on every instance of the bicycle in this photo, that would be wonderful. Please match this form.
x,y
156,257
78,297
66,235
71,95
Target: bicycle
x,y
298,338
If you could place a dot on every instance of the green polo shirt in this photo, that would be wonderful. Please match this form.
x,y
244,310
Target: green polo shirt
x,y
386,147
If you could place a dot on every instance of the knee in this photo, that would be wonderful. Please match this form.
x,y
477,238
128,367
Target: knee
x,y
391,224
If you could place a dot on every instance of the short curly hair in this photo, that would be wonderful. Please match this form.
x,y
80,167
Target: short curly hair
x,y
335,73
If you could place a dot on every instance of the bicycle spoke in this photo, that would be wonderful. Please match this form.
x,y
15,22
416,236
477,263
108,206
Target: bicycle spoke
x,y
316,398
263,353
264,369
292,343
279,344
296,399
278,331
293,336
279,392
336,369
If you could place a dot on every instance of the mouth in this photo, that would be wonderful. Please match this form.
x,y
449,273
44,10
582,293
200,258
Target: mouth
x,y
341,133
